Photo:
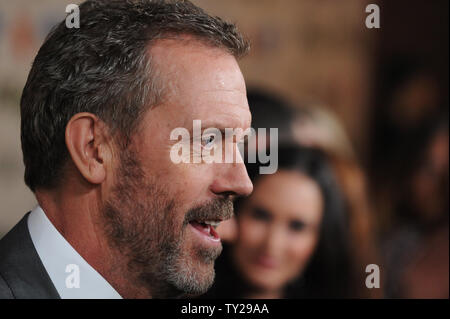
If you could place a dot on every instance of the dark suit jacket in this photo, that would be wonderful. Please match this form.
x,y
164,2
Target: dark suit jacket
x,y
22,274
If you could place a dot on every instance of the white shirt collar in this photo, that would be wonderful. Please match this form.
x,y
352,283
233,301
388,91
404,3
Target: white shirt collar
x,y
58,256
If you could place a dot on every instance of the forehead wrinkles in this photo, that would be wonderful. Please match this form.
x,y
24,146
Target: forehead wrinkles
x,y
184,66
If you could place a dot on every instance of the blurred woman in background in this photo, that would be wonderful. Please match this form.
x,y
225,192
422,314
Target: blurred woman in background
x,y
292,237
318,127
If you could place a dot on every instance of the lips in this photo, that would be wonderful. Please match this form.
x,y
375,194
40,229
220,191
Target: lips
x,y
205,218
208,228
266,262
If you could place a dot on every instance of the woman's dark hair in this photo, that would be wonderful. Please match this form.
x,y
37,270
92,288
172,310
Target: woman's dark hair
x,y
327,274
271,110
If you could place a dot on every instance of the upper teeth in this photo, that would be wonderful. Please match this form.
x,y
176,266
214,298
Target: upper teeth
x,y
212,223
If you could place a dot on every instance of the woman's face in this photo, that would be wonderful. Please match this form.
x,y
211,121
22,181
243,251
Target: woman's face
x,y
278,229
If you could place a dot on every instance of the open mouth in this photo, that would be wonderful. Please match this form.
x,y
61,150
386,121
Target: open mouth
x,y
207,228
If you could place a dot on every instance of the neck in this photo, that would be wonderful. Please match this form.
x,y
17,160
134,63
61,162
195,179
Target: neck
x,y
77,217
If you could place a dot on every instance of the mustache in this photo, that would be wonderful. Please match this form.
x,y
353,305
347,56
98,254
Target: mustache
x,y
217,209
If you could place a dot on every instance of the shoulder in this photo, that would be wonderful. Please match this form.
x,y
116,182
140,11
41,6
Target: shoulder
x,y
9,256
22,274
5,290
12,244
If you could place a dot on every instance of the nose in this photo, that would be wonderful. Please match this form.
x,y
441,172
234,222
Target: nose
x,y
232,179
275,240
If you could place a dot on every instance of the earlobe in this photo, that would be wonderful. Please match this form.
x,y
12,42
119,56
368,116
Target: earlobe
x,y
85,144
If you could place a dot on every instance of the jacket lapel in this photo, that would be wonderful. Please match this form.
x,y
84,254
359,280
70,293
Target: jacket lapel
x,y
20,265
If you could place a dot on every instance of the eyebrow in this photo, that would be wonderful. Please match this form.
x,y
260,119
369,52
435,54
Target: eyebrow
x,y
208,124
222,131
306,223
214,124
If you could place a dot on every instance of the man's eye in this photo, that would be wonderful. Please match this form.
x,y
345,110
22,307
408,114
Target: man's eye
x,y
208,141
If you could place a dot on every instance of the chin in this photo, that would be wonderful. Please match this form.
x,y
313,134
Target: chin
x,y
261,283
193,276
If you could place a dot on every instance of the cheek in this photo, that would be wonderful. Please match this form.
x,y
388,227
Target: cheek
x,y
189,182
251,233
299,254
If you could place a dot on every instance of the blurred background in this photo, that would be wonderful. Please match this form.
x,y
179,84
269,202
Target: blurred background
x,y
375,101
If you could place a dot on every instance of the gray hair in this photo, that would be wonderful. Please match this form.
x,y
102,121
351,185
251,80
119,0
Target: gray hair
x,y
105,68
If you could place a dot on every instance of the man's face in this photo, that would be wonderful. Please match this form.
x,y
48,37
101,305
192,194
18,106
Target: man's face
x,y
156,209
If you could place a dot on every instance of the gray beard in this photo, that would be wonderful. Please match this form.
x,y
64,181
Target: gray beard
x,y
150,238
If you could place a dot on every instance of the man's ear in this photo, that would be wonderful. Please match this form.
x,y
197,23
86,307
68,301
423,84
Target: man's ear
x,y
87,146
